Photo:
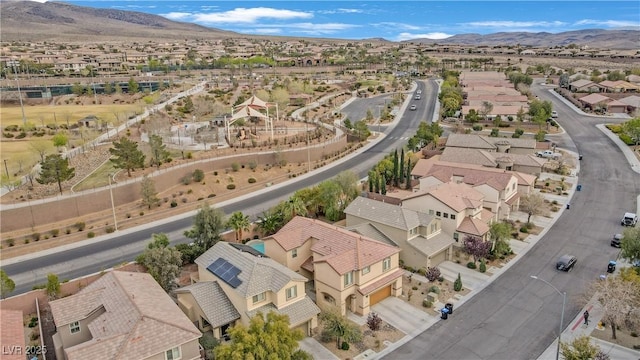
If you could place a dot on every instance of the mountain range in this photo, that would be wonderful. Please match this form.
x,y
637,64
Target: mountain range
x,y
57,21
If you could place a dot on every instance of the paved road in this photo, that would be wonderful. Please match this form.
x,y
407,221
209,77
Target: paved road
x,y
102,255
516,317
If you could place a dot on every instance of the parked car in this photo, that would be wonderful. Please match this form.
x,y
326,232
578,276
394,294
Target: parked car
x,y
554,114
548,154
615,242
566,263
629,219
413,107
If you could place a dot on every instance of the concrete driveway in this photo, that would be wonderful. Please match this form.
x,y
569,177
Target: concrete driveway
x,y
317,350
471,279
401,315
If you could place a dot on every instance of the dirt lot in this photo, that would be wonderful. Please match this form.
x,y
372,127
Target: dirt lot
x,y
623,337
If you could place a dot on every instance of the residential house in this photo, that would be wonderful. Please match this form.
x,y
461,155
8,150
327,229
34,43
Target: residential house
x,y
584,85
418,234
350,271
235,282
618,86
492,144
12,335
526,163
597,101
122,315
458,205
632,102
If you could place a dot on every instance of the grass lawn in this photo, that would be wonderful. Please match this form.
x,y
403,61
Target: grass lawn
x,y
98,178
40,115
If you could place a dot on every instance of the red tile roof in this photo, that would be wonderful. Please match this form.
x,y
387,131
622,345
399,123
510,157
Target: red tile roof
x,y
12,335
369,288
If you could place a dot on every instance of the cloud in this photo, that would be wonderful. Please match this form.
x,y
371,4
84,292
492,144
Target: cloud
x,y
397,26
305,28
265,31
608,23
433,36
241,15
179,16
341,11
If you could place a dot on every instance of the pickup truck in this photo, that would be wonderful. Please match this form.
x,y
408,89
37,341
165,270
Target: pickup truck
x,y
548,154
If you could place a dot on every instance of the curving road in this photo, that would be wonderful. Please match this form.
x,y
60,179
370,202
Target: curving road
x,y
515,317
97,256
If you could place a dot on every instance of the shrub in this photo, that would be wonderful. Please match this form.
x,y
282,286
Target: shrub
x,y
345,346
626,139
189,155
471,265
11,242
34,336
374,321
35,236
235,167
422,271
141,213
80,225
251,180
184,200
198,175
483,266
91,234
128,215
441,279
524,229
434,289
186,180
26,241
215,173
433,273
477,127
67,231
231,186
55,232
33,322
415,288
457,285
110,229
211,196
173,203
253,165
426,303
326,336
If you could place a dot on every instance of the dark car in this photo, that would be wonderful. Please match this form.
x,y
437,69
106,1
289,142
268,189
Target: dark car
x,y
615,242
566,262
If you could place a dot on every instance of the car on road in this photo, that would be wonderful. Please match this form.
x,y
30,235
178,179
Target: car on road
x,y
629,219
413,107
554,114
615,242
566,263
417,97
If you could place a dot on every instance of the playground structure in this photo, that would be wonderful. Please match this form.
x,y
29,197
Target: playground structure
x,y
251,108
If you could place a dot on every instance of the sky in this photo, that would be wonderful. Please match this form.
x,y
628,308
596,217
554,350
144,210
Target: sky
x,y
391,20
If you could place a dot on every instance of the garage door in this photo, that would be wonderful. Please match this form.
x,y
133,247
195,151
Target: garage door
x,y
380,295
440,257
304,327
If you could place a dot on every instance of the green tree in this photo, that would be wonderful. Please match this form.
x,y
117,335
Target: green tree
x,y
55,168
347,124
337,325
293,207
581,348
396,168
163,262
60,139
263,339
270,222
53,286
457,285
158,150
239,222
148,192
207,226
408,184
532,204
500,234
134,87
632,129
6,284
362,130
127,156
401,175
630,244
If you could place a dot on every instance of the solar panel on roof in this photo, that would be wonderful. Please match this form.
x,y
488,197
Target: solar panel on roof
x,y
226,271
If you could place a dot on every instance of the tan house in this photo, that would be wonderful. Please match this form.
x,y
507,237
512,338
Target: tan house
x,y
122,315
236,282
350,271
526,163
418,234
12,335
458,205
492,144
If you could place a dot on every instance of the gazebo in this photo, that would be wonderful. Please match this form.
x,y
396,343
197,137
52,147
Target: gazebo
x,y
251,108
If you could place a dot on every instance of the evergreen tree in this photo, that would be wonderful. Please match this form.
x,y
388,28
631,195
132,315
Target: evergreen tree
x,y
55,168
408,184
396,169
6,284
127,156
158,150
148,192
207,226
383,185
133,86
401,175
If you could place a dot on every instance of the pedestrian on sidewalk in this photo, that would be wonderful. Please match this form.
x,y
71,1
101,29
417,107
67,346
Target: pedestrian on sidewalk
x,y
586,317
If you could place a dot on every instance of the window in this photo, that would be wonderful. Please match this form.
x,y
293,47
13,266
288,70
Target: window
x,y
453,216
455,236
348,278
445,215
294,253
204,321
431,212
74,327
173,354
413,231
366,270
438,213
386,264
259,297
292,292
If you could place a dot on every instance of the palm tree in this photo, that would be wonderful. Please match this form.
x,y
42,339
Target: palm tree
x,y
269,222
294,206
239,222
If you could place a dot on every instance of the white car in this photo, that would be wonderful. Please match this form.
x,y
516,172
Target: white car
x,y
413,107
554,114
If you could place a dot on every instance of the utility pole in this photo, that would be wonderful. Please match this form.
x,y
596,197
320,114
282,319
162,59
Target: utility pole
x,y
113,207
24,118
6,169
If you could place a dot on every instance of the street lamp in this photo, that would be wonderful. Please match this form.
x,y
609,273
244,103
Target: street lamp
x,y
113,207
564,300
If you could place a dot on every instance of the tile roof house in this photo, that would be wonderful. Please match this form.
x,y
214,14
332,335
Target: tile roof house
x,y
350,271
584,85
501,188
122,315
236,282
526,163
418,234
492,144
12,335
458,205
